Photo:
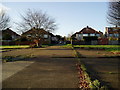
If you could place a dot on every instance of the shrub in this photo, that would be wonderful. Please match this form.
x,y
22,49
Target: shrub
x,y
96,83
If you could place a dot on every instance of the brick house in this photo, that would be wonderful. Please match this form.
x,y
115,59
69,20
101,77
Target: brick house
x,y
0,35
87,36
113,35
8,35
54,38
38,33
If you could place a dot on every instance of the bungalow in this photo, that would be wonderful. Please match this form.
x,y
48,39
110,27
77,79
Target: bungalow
x,y
87,36
113,34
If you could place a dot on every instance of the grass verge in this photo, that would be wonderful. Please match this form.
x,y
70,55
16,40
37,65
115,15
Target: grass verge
x,y
92,84
14,46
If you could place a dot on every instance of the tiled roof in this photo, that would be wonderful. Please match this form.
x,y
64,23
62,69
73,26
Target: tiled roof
x,y
33,31
9,31
89,30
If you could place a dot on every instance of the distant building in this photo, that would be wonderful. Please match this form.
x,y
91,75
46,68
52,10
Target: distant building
x,y
113,34
0,35
38,33
87,36
8,34
47,37
54,38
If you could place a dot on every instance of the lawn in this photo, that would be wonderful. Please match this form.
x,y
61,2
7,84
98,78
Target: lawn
x,y
18,46
98,46
115,48
14,46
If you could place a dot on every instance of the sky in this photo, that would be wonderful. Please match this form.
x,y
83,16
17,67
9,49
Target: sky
x,y
70,17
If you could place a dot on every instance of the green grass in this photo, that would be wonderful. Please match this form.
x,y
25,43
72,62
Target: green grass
x,y
113,48
14,46
98,46
106,47
46,45
67,46
19,46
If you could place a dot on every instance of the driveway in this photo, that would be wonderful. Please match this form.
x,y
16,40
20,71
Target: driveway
x,y
52,67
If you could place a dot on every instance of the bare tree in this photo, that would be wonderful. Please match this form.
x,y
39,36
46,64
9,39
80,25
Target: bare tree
x,y
36,19
113,15
4,20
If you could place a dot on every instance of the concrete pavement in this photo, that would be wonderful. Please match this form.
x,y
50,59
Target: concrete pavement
x,y
53,67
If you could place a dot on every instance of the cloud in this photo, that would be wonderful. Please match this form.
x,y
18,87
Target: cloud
x,y
3,8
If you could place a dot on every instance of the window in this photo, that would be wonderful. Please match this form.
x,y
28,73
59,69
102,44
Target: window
x,y
116,35
45,36
98,35
92,34
78,35
110,35
29,35
85,34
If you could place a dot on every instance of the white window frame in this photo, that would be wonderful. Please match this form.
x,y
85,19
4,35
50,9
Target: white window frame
x,y
85,35
92,34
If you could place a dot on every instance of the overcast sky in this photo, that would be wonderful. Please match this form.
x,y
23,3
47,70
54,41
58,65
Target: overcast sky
x,y
70,16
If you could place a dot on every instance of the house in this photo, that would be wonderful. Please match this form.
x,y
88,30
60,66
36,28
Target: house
x,y
0,35
38,33
54,38
9,35
87,36
113,34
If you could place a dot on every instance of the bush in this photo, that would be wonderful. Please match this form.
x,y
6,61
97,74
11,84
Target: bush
x,y
96,83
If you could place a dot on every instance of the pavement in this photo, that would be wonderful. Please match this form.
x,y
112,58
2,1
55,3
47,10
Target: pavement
x,y
10,68
51,67
102,65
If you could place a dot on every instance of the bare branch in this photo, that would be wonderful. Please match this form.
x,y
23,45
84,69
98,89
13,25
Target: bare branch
x,y
4,21
113,15
36,19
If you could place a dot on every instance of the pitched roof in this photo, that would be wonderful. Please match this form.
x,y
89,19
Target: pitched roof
x,y
9,31
88,30
34,31
51,34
